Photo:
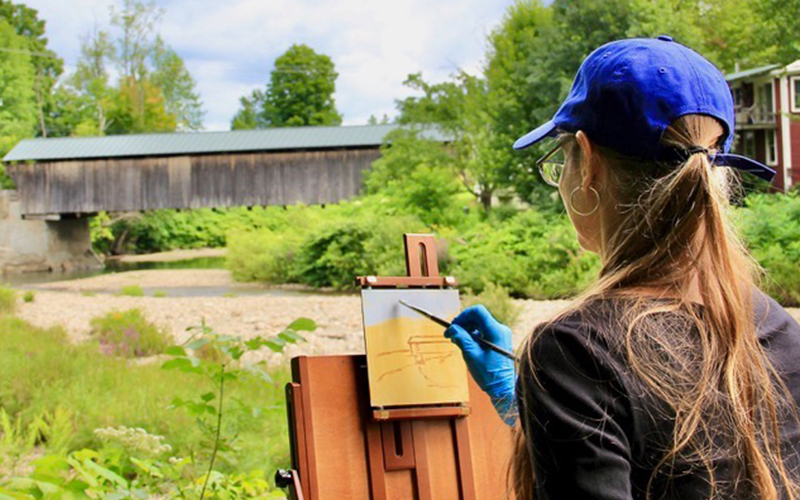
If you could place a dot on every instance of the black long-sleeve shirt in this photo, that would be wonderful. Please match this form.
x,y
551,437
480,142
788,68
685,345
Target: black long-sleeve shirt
x,y
594,429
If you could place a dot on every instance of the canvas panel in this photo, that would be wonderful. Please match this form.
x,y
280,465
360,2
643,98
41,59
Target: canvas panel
x,y
409,361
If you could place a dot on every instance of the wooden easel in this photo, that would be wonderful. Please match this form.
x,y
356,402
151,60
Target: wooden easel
x,y
344,449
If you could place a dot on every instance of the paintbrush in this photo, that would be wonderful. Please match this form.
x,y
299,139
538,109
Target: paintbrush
x,y
446,324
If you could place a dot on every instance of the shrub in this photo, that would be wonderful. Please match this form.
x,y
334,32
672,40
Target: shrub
x,y
159,294
498,302
129,334
8,301
770,224
29,296
262,255
334,256
531,255
132,291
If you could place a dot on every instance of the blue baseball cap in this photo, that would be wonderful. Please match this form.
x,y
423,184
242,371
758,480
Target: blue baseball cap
x,y
627,93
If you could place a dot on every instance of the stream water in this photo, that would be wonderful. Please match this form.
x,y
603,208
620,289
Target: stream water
x,y
31,280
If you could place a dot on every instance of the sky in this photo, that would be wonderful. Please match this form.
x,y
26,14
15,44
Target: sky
x,y
230,46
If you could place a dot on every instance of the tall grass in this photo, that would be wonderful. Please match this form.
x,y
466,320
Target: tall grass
x,y
41,372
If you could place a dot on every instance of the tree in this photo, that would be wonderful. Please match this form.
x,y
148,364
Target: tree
x,y
250,114
300,92
525,85
177,85
154,92
459,107
91,77
47,65
17,97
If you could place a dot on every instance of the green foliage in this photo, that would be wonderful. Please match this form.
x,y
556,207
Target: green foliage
x,y
224,367
17,77
8,301
498,301
28,296
154,92
533,255
263,255
129,334
46,65
131,291
300,92
419,178
86,450
162,230
6,182
160,294
177,86
249,116
770,224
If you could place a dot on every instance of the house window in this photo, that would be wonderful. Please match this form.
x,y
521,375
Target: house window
x,y
737,96
749,144
771,147
795,87
765,96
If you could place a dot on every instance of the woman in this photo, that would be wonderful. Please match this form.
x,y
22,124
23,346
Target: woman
x,y
673,376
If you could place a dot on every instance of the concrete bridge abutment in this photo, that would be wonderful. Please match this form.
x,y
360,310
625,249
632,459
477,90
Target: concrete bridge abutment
x,y
34,245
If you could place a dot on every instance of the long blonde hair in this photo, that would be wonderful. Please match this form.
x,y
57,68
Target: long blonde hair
x,y
674,231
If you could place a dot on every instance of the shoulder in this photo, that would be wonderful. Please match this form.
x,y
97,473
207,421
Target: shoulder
x,y
593,329
582,346
771,319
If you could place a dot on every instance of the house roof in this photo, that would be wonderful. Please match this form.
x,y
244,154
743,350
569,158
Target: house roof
x,y
170,144
751,72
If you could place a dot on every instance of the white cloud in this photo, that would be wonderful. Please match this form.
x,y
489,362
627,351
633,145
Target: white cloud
x,y
230,46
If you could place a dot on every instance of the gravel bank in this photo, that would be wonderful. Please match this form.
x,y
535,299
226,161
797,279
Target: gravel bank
x,y
338,316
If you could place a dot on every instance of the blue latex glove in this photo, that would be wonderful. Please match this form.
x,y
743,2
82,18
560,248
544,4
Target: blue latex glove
x,y
493,372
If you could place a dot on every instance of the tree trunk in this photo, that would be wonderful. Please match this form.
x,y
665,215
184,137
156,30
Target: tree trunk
x,y
486,199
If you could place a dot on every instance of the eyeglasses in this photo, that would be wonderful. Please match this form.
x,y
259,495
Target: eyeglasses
x,y
551,165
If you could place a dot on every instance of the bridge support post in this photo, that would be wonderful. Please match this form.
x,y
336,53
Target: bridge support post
x,y
42,245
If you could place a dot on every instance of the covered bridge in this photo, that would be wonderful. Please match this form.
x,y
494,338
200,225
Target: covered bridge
x,y
60,180
66,177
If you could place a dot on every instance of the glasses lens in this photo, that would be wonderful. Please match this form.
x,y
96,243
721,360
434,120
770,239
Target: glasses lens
x,y
551,172
551,165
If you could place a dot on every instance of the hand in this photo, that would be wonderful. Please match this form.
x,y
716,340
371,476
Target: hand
x,y
493,372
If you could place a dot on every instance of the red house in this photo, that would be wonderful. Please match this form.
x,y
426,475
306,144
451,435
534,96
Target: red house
x,y
767,103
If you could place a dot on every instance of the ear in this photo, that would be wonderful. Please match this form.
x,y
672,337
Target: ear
x,y
590,167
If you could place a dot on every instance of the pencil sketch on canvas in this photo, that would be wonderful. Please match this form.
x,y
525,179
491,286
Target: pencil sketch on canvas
x,y
409,361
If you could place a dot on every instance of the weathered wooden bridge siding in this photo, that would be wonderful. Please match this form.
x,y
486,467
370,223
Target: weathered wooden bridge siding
x,y
220,180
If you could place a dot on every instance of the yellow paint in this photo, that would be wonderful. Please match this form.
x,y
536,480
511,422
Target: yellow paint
x,y
410,362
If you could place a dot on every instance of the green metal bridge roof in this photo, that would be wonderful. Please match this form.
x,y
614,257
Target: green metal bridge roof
x,y
190,143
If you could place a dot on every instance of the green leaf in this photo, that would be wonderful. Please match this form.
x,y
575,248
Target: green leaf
x,y
276,344
107,474
197,344
254,344
13,495
208,396
303,324
182,364
175,350
291,336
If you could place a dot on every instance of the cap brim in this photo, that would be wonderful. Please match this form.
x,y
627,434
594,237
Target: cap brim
x,y
536,135
745,164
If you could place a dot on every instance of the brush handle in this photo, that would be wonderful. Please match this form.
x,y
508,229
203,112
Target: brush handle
x,y
493,347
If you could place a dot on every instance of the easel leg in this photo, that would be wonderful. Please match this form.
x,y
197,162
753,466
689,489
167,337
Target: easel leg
x,y
466,476
422,470
377,479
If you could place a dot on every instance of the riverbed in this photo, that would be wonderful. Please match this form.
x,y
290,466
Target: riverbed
x,y
177,299
229,307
